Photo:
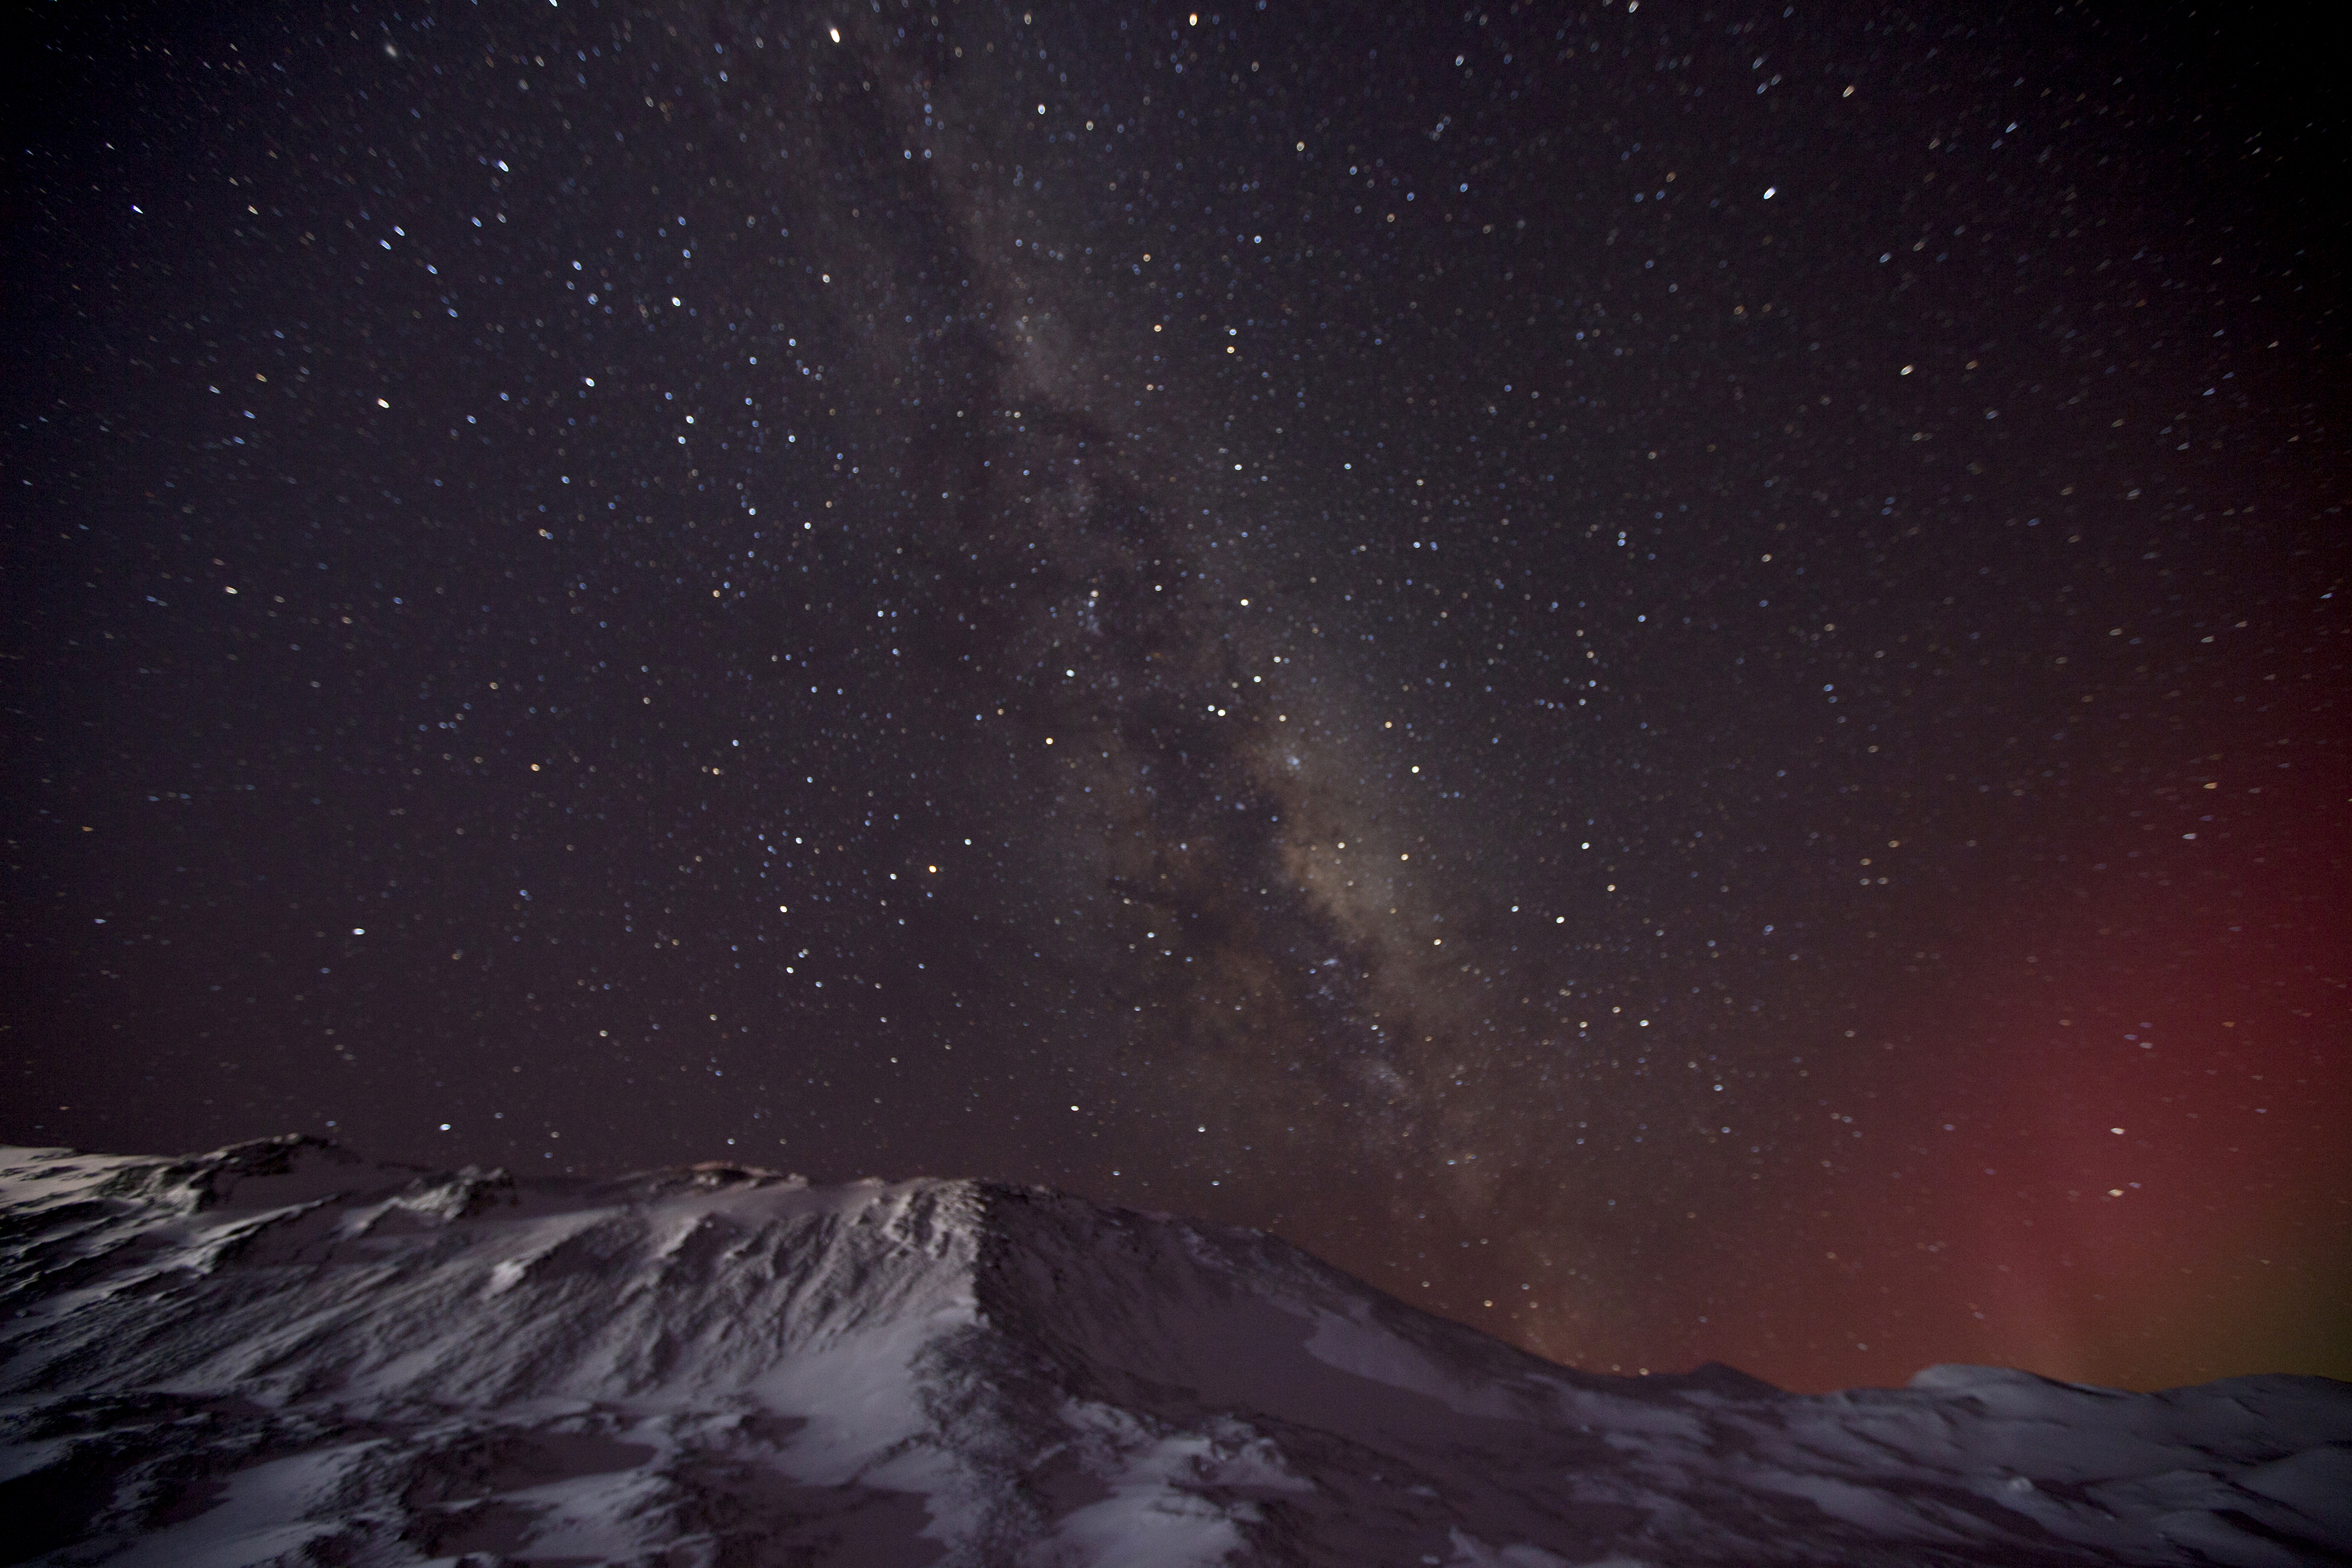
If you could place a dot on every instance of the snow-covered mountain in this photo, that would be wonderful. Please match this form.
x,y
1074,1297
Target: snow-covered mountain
x,y
280,1353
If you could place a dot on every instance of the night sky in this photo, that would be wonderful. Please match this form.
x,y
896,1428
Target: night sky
x,y
1671,679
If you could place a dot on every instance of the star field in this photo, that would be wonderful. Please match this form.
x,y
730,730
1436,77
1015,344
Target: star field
x,y
1669,679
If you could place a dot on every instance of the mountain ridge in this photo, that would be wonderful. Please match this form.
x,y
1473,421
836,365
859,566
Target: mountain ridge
x,y
278,1351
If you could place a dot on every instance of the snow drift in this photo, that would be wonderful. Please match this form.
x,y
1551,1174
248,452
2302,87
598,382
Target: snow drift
x,y
278,1353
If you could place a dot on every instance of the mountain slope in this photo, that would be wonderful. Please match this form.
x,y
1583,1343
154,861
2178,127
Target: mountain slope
x,y
278,1352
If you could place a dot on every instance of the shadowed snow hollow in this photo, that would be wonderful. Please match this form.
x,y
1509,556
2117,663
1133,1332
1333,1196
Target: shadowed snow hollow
x,y
280,1354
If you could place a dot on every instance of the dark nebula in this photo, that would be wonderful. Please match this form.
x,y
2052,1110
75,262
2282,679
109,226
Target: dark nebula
x,y
1670,678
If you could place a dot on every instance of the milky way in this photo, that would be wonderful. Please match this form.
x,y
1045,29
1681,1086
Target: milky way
x,y
1665,679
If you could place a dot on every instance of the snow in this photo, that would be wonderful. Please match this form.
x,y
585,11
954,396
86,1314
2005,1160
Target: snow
x,y
278,1352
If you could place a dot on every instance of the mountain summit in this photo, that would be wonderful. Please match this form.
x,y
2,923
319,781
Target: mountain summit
x,y
280,1354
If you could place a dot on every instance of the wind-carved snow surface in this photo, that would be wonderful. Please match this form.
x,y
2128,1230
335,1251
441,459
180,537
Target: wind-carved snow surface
x,y
279,1354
